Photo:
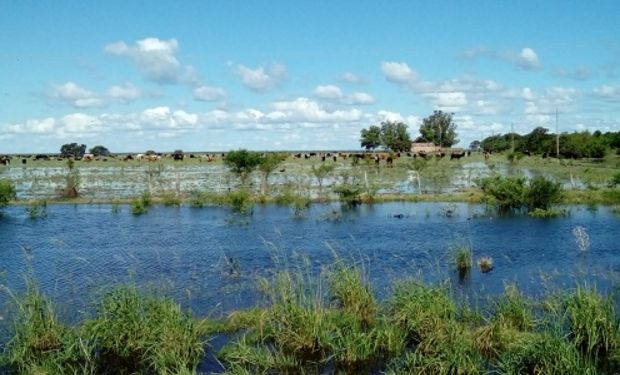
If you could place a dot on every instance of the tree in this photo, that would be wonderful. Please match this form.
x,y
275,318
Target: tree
x,y
320,173
7,192
242,163
440,129
371,137
268,163
394,136
73,150
100,151
391,135
537,141
475,145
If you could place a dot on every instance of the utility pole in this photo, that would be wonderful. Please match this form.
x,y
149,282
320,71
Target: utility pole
x,y
557,136
512,135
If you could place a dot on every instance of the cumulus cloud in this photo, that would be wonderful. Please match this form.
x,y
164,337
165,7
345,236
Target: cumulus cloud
x,y
263,78
328,92
608,92
353,78
448,101
361,98
526,59
124,93
334,94
75,95
398,72
305,110
580,73
208,93
156,59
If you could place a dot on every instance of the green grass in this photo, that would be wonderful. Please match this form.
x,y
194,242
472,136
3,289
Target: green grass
x,y
462,259
325,323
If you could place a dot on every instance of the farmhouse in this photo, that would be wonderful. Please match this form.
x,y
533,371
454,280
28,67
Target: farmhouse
x,y
427,148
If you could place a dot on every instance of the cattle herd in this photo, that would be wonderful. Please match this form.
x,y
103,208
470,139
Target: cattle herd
x,y
376,157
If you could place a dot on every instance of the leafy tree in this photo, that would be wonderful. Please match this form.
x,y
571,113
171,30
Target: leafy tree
x,y
440,129
542,193
73,150
100,151
268,163
242,163
537,141
7,192
371,137
395,137
475,145
391,135
320,173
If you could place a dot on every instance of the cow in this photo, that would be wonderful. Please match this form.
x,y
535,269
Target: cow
x,y
457,156
390,161
5,160
128,157
88,157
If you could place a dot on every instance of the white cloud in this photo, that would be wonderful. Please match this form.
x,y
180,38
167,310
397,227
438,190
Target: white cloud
x,y
208,93
263,78
526,59
528,94
156,59
164,118
125,93
79,124
449,101
349,77
581,73
398,72
44,126
608,92
328,92
306,110
75,95
361,98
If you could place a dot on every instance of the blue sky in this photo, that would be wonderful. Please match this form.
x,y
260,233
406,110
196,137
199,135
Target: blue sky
x,y
282,75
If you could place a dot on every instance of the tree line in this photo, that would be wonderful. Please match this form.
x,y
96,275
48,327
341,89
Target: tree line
x,y
438,128
540,141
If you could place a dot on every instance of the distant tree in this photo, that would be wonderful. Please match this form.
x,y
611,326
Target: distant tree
x,y
73,150
320,173
371,137
100,151
268,163
150,152
395,137
475,145
537,141
7,192
242,163
440,129
391,135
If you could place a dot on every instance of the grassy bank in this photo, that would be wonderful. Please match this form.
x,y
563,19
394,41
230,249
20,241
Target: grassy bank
x,y
324,323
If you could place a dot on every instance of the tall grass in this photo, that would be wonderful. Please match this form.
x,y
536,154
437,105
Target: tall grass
x,y
327,323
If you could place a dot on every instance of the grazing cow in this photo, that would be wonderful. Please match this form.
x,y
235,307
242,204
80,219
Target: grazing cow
x,y
88,157
306,156
128,157
5,160
487,155
544,155
335,158
322,157
41,157
457,156
24,161
390,161
376,157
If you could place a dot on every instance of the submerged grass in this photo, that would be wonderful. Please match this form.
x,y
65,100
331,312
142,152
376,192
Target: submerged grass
x,y
327,323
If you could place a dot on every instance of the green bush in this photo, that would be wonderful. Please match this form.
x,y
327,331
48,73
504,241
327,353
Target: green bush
x,y
542,193
507,193
141,204
7,192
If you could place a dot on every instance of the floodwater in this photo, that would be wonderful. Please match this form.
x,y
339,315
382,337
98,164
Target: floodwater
x,y
209,259
109,182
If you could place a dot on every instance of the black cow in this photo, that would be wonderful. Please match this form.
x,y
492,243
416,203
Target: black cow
x,y
457,156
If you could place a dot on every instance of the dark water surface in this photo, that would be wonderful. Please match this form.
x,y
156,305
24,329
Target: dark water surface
x,y
210,259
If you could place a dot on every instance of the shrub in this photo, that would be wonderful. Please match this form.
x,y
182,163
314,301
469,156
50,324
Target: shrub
x,y
508,193
542,193
141,204
485,264
239,200
462,260
135,332
37,209
7,192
